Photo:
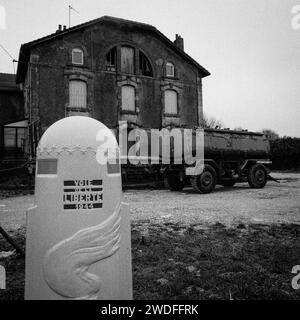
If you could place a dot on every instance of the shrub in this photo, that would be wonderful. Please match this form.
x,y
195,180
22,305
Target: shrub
x,y
285,153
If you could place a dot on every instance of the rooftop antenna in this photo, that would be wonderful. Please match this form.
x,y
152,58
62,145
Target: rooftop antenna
x,y
12,58
71,8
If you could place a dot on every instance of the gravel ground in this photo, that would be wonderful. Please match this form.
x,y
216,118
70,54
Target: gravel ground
x,y
276,203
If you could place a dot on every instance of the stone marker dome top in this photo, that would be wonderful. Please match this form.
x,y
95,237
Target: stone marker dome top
x,y
77,132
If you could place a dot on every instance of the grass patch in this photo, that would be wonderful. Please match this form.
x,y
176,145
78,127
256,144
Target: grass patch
x,y
174,262
215,263
15,269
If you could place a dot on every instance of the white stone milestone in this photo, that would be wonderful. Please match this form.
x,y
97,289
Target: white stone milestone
x,y
78,242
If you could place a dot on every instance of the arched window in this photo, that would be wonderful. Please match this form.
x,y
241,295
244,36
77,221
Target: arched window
x,y
77,56
111,59
170,69
128,98
77,92
127,60
171,102
145,66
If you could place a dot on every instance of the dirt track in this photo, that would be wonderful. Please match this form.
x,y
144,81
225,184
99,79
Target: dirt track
x,y
276,203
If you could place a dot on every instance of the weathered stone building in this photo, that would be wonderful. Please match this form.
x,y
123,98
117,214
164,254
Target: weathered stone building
x,y
111,69
12,122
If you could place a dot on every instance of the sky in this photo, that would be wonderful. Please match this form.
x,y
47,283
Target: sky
x,y
250,47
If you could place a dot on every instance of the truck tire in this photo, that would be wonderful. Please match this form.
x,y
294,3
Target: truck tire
x,y
206,181
228,183
257,176
173,182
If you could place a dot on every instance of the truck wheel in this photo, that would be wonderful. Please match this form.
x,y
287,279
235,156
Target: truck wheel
x,y
206,181
173,182
228,183
257,176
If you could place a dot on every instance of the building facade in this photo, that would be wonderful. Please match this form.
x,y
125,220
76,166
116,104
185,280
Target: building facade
x,y
112,70
12,123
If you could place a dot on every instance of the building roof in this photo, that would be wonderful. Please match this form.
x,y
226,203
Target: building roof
x,y
24,54
8,82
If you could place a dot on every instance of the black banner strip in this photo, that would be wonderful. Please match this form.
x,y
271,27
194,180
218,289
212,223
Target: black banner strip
x,y
71,183
74,206
97,182
84,190
97,205
70,206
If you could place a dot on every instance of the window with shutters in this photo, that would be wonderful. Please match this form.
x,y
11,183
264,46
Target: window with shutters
x,y
145,66
77,56
111,59
128,98
171,102
170,69
78,98
127,60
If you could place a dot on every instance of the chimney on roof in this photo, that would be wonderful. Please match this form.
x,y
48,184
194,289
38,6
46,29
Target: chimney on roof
x,y
59,28
64,27
179,43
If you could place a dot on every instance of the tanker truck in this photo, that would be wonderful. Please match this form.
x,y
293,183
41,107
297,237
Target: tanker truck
x,y
229,157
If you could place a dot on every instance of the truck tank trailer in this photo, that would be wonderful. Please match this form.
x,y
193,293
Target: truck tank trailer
x,y
229,157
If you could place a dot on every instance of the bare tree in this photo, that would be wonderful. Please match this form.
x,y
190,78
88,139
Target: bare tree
x,y
211,122
270,134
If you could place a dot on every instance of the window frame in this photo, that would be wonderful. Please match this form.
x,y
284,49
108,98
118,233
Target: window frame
x,y
78,108
142,57
17,137
74,50
168,64
128,111
133,59
108,66
170,114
